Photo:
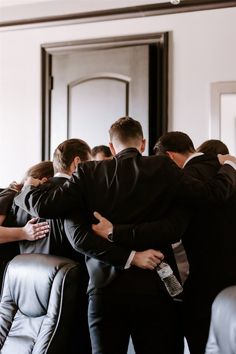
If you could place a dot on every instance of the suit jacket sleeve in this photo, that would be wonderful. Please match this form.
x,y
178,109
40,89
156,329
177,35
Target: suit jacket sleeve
x,y
190,192
154,234
58,201
218,189
83,240
51,200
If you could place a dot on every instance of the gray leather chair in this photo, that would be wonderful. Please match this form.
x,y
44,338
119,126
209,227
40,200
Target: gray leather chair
x,y
38,304
222,336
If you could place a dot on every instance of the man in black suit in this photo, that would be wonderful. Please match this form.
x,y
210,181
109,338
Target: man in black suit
x,y
209,240
127,189
66,157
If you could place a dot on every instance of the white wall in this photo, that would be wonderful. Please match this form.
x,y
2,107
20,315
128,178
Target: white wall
x,y
12,10
202,50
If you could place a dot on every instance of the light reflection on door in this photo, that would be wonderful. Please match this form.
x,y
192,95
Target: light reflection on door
x,y
223,113
110,93
228,121
94,88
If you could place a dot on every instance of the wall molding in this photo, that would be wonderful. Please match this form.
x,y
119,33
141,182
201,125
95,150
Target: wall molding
x,y
217,90
120,13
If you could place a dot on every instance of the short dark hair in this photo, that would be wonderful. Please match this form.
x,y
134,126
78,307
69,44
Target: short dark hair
x,y
174,141
213,146
40,170
125,129
101,148
67,151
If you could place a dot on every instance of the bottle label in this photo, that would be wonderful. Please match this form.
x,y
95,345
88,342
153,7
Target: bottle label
x,y
165,272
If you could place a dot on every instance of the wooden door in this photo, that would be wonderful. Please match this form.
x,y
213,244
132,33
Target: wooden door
x,y
88,84
93,88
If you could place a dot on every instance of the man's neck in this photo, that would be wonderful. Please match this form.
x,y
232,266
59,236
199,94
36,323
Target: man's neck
x,y
190,156
120,148
63,174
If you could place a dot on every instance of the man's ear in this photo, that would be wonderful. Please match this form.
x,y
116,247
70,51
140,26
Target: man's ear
x,y
143,145
176,157
76,161
74,164
113,151
171,155
43,180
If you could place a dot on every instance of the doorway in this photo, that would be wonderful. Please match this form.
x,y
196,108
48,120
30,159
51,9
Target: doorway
x,y
87,85
223,113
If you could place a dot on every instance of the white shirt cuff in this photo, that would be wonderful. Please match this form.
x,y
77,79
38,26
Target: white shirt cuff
x,y
231,163
128,263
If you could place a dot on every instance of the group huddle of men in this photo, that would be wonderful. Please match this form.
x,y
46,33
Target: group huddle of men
x,y
124,213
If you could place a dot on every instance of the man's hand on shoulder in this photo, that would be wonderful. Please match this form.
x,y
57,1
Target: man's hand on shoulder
x,y
14,186
225,158
104,227
33,231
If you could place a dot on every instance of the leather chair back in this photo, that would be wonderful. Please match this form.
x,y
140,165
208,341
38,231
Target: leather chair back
x,y
222,336
38,302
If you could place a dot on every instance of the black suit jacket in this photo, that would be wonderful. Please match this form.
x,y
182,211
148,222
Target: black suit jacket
x,y
10,249
128,189
208,235
210,241
55,242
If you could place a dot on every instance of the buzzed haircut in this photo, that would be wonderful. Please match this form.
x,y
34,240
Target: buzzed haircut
x,y
174,141
126,129
213,146
101,149
67,151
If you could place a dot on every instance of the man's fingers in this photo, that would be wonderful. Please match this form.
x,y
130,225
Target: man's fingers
x,y
41,228
154,261
40,236
42,224
41,232
152,264
98,216
155,258
33,221
158,254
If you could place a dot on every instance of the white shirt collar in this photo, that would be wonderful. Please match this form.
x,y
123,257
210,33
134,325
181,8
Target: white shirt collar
x,y
195,154
61,174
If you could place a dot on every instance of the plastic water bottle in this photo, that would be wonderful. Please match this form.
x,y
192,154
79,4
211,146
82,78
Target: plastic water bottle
x,y
166,274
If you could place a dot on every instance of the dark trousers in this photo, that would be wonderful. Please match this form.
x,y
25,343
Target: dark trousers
x,y
196,325
196,333
80,339
150,320
79,342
